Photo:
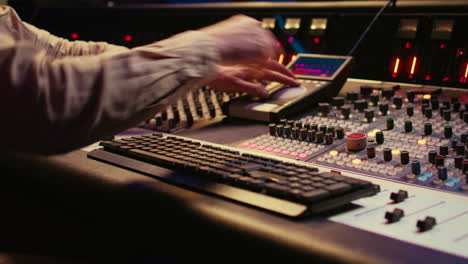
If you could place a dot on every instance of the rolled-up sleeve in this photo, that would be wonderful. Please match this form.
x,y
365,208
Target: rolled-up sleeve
x,y
52,104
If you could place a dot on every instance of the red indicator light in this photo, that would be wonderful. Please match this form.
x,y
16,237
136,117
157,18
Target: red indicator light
x,y
442,46
413,66
316,41
427,77
408,45
290,39
74,35
278,44
128,38
446,79
411,76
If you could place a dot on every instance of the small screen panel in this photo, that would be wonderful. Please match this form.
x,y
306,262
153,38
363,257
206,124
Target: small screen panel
x,y
317,66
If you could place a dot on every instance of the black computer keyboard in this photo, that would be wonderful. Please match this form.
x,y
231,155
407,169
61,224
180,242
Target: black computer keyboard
x,y
287,187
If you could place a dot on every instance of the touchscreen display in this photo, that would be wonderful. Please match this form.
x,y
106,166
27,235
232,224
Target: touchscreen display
x,y
317,66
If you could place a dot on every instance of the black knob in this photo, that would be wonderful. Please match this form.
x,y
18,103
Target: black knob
x,y
397,102
369,115
387,154
295,133
453,144
383,108
328,138
443,150
314,127
158,121
272,128
283,121
432,156
388,93
442,173
345,112
427,129
312,135
287,131
434,103
323,128
447,115
426,224
446,104
280,130
440,160
410,96
360,105
340,133
298,124
460,149
319,137
374,98
370,152
410,110
390,123
416,167
164,115
290,123
459,162
428,113
379,137
394,216
448,131
324,108
331,129
171,123
338,101
404,157
425,102
456,107
351,96
465,117
408,126
465,168
464,138
399,197
366,91
304,135
307,126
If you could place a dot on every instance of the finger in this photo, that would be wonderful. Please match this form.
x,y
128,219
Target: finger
x,y
278,67
250,88
274,76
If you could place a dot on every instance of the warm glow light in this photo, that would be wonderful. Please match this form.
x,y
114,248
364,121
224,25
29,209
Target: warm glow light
x,y
396,152
356,161
316,40
442,46
397,64
413,64
466,71
333,152
428,77
427,96
74,36
128,38
422,142
408,45
281,58
371,134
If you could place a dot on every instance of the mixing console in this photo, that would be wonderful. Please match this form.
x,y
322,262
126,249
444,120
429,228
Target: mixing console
x,y
393,133
198,106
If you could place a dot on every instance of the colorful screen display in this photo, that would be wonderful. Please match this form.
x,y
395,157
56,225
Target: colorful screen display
x,y
317,66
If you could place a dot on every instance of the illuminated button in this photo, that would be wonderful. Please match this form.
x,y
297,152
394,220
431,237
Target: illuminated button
x,y
396,152
356,161
333,152
427,96
422,142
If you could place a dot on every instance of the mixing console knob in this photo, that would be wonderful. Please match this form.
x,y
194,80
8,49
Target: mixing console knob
x,y
397,102
307,126
369,115
428,113
331,129
446,104
283,121
442,173
410,110
319,137
371,152
453,144
279,130
323,129
366,91
390,123
374,98
290,123
312,135
164,115
351,96
388,93
410,96
443,150
272,128
158,121
338,102
440,160
394,216
442,110
465,116
432,156
425,102
404,157
387,154
447,115
465,168
356,141
456,107
427,129
298,124
464,138
340,133
459,162
426,224
416,167
383,108
435,103
345,112
303,132
379,137
360,105
328,138
448,131
408,126
314,127
171,123
287,131
399,197
295,132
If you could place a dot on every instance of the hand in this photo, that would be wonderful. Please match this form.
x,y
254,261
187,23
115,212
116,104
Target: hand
x,y
242,40
249,78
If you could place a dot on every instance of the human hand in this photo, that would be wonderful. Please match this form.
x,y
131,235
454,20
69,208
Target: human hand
x,y
242,40
250,78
